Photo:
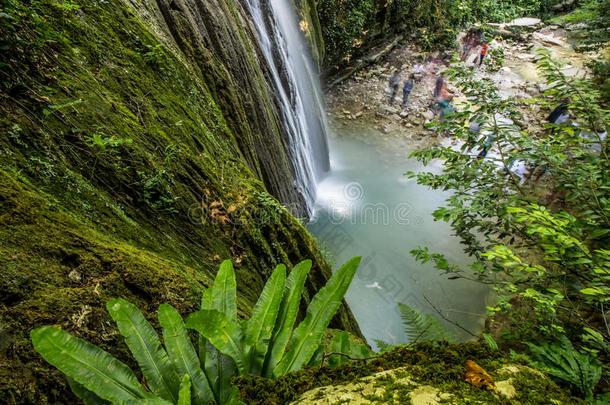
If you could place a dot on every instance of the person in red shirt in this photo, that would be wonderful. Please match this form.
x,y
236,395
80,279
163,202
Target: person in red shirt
x,y
483,53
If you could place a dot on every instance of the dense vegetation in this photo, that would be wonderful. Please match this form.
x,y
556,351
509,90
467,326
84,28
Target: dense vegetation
x,y
542,246
133,159
349,27
594,17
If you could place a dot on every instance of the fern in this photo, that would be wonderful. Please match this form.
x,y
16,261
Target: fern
x,y
421,327
267,344
418,328
561,360
383,347
491,342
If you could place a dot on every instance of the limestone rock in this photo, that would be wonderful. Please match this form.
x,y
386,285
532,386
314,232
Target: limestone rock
x,y
392,386
525,22
428,395
548,39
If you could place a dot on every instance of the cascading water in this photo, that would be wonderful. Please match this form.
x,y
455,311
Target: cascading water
x,y
296,82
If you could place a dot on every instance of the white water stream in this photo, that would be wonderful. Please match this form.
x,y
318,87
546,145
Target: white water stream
x,y
297,84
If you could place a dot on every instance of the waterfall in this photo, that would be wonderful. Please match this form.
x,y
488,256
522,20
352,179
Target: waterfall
x,y
296,81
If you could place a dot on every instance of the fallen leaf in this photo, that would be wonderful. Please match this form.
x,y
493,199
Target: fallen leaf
x,y
478,377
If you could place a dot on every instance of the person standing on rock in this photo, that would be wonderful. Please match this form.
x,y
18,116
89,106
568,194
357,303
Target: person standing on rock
x,y
487,144
474,129
444,102
483,53
406,90
394,85
440,82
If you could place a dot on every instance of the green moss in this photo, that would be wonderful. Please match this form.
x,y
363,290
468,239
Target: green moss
x,y
82,223
439,365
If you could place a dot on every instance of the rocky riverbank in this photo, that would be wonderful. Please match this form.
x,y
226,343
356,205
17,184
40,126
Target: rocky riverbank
x,y
511,64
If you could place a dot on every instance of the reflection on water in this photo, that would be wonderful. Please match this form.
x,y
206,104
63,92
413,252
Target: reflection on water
x,y
366,207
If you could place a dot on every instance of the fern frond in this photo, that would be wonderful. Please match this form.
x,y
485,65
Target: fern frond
x,y
422,327
563,361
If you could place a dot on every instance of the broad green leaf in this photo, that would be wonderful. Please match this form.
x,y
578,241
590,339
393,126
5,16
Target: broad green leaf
x,y
219,369
223,332
592,291
145,346
88,365
223,293
361,350
289,309
182,353
309,333
184,395
150,401
339,344
88,397
260,326
316,358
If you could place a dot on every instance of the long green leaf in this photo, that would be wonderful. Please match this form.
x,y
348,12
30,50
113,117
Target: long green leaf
x,y
219,369
88,365
223,332
88,397
289,309
360,350
309,333
316,358
339,344
150,401
223,296
145,346
184,395
260,326
182,352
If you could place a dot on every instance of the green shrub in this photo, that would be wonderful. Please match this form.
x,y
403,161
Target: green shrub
x,y
542,246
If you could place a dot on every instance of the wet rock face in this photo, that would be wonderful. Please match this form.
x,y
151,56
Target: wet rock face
x,y
139,136
217,40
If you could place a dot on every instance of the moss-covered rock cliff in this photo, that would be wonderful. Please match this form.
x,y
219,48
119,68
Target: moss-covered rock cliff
x,y
140,145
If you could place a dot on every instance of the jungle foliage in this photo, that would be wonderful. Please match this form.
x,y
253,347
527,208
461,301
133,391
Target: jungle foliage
x,y
350,26
594,18
543,246
266,345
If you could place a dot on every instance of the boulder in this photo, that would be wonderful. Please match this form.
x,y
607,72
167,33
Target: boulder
x,y
398,386
548,39
525,22
427,115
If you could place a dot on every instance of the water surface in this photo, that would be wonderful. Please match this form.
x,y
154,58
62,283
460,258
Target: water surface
x,y
367,207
